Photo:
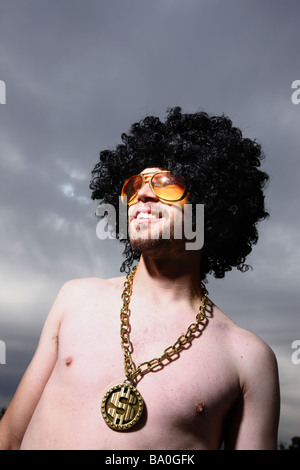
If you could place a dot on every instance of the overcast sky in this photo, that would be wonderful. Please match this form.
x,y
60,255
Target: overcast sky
x,y
77,75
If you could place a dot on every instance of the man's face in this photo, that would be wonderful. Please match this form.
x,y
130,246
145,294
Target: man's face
x,y
153,222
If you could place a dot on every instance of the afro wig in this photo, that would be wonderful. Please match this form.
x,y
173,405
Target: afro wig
x,y
220,168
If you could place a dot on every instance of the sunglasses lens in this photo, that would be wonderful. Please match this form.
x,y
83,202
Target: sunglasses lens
x,y
165,185
131,187
168,186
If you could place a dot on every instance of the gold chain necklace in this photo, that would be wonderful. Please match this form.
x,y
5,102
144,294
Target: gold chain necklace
x,y
122,405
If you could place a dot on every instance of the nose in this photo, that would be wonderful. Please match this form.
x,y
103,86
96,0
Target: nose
x,y
146,193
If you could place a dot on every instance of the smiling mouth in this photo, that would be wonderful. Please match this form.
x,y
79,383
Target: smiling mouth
x,y
147,216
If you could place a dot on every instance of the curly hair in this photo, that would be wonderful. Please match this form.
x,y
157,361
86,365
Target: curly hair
x,y
220,168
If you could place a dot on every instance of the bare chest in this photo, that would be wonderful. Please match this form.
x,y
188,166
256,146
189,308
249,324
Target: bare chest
x,y
186,397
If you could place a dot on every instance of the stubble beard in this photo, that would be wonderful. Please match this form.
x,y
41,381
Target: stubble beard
x,y
154,241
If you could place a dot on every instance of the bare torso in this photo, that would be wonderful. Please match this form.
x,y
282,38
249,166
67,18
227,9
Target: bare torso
x,y
186,401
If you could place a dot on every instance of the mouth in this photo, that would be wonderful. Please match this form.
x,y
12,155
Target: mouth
x,y
147,215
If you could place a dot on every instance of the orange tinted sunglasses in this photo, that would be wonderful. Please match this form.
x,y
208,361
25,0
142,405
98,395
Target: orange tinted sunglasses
x,y
163,184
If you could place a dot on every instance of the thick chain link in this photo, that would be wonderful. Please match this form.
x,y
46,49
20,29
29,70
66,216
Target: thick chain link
x,y
144,367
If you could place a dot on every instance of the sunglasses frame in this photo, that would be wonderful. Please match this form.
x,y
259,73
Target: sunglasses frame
x,y
147,178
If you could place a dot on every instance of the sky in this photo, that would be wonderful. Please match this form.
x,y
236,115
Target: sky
x,y
78,74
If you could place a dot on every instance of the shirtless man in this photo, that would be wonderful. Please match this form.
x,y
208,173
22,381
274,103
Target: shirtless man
x,y
222,386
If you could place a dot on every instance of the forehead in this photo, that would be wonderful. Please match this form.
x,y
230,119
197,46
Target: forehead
x,y
150,170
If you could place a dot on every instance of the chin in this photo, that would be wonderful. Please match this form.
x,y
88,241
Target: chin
x,y
158,248
148,245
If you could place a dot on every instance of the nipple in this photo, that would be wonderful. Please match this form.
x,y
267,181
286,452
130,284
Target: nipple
x,y
199,408
68,361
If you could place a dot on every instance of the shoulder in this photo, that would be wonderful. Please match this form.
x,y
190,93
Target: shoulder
x,y
254,359
251,355
76,293
254,350
83,286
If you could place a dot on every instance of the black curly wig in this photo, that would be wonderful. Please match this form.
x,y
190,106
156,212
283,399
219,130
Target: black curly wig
x,y
221,171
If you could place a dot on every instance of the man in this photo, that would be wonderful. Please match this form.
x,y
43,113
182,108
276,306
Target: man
x,y
171,371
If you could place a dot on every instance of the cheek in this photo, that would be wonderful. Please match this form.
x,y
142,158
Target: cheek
x,y
176,217
178,207
134,201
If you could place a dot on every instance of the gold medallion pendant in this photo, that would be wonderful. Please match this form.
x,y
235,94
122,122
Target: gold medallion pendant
x,y
122,406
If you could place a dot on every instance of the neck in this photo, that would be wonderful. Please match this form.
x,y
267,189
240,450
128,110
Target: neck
x,y
166,280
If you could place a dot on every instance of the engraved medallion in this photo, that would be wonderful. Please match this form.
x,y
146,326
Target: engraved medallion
x,y
122,406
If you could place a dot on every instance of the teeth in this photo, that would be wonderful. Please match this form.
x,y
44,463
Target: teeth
x,y
146,215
